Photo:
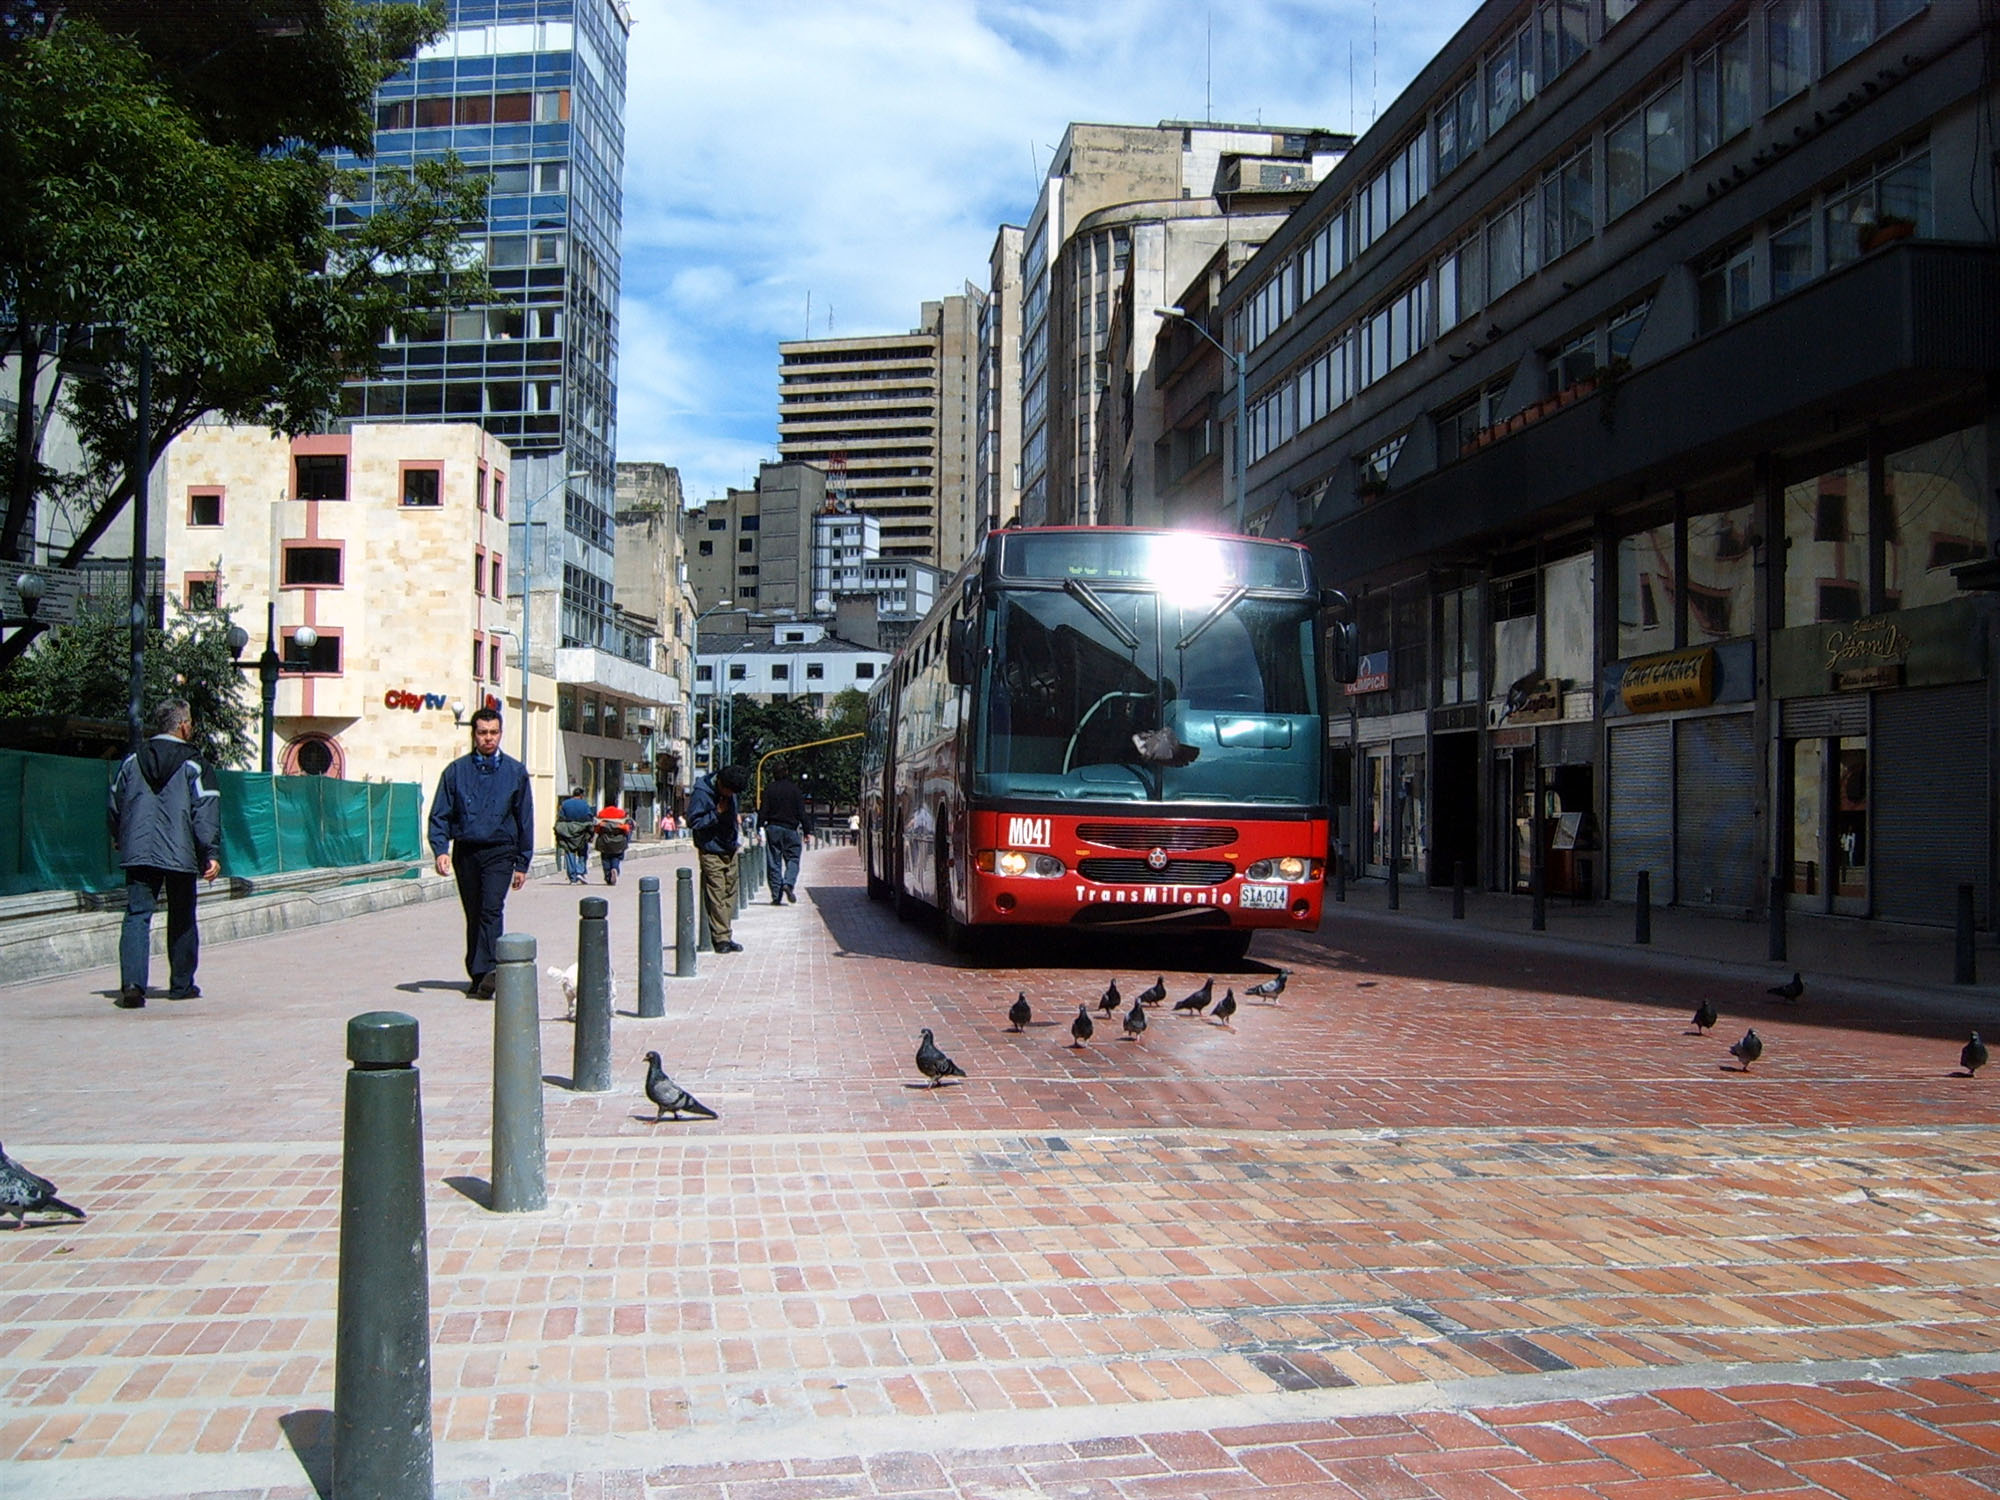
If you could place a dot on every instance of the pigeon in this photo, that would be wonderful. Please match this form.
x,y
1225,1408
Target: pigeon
x,y
1972,1057
1749,1049
1135,1021
1271,988
669,1096
1225,1007
1163,747
1704,1016
1198,1001
1155,994
1082,1028
1791,990
1110,999
566,978
933,1064
1020,1013
23,1193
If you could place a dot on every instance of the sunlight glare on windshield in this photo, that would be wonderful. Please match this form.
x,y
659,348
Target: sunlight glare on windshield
x,y
1189,567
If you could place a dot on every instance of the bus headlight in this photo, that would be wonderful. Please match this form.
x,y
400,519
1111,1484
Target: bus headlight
x,y
1291,868
1020,863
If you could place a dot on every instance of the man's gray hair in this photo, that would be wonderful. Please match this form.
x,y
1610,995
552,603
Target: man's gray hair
x,y
170,715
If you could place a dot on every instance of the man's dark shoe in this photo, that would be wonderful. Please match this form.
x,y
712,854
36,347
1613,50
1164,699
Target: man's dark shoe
x,y
481,987
132,997
192,992
727,946
779,899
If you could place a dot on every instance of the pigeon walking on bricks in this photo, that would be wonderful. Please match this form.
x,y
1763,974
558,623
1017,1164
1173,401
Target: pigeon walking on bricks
x,y
1749,1049
1972,1056
1135,1021
1109,1000
1198,1001
1020,1013
1154,993
1225,1008
1082,1028
933,1064
1790,990
1704,1017
669,1097
1271,988
23,1193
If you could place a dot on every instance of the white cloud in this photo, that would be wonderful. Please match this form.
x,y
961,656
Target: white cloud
x,y
861,153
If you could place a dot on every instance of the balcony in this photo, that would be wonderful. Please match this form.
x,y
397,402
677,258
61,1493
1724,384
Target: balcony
x,y
585,666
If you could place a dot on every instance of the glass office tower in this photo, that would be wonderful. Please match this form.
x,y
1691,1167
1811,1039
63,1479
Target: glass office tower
x,y
531,92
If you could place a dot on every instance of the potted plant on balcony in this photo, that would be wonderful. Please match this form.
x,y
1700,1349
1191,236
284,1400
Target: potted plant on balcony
x,y
1886,230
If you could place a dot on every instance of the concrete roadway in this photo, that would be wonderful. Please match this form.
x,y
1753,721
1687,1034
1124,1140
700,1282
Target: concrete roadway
x,y
1468,1213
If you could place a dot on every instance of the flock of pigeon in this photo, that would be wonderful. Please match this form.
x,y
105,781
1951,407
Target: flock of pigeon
x,y
1971,1057
934,1065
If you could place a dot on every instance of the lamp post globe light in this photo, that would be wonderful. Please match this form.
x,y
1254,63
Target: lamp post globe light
x,y
28,591
527,611
1239,364
270,666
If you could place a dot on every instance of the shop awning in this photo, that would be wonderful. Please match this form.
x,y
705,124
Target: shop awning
x,y
637,781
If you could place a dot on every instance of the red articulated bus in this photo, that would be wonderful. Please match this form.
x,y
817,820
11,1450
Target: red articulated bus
x,y
1112,730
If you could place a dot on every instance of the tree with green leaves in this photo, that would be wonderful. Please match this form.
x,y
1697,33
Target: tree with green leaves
x,y
827,773
167,176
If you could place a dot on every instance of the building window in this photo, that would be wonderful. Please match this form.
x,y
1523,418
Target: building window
x,y
704,548
1644,151
1722,92
499,497
493,661
1847,26
1565,35
1511,245
721,525
1457,126
738,672
200,590
478,658
780,672
1725,285
1566,206
320,476
312,755
745,544
1510,78
321,659
1573,361
1889,201
1787,50
589,703
749,523
478,570
1458,289
310,565
205,507
498,576
482,487
864,670
815,671
703,672
1791,254
423,485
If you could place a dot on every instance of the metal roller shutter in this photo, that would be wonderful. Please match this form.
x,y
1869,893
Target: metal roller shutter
x,y
1929,808
1716,791
1640,801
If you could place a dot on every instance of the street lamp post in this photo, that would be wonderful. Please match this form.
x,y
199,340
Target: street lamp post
x,y
527,609
1238,363
270,666
28,590
694,651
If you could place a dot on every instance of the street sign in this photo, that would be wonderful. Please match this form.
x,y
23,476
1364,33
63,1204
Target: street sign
x,y
61,589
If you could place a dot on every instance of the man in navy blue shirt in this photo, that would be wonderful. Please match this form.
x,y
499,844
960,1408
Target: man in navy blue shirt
x,y
483,831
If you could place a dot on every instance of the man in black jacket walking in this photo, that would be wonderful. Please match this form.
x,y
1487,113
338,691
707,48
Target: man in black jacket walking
x,y
782,816
482,829
166,823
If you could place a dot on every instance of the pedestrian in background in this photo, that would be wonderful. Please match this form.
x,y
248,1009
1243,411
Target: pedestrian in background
x,y
783,816
574,824
711,818
166,824
482,830
614,837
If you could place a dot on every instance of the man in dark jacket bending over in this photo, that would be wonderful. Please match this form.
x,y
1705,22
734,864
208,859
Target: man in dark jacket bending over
x,y
166,822
483,830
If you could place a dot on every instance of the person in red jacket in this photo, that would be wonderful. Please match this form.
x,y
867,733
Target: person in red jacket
x,y
614,837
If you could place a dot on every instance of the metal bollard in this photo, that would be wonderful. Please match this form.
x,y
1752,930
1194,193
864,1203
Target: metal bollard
x,y
1538,901
685,919
520,1152
652,954
1775,918
1340,877
1458,890
1642,908
1966,971
704,941
742,881
382,1327
1395,884
590,1067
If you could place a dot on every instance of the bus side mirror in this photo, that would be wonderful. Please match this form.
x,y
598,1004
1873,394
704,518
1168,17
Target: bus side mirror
x,y
958,652
1343,654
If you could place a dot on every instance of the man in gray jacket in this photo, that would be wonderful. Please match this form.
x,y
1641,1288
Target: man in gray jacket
x,y
166,823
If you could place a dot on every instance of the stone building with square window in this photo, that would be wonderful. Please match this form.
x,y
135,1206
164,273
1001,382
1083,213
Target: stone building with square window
x,y
1634,374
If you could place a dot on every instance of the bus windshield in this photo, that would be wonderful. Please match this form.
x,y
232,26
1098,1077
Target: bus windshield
x,y
1098,692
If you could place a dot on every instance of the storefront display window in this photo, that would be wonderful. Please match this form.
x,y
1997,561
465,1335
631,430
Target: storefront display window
x,y
1571,621
1722,575
1936,517
1826,547
1646,590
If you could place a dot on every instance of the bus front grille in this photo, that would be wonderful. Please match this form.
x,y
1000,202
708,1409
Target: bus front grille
x,y
1138,872
1172,836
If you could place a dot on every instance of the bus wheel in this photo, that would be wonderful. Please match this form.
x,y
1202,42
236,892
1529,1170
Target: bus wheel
x,y
878,888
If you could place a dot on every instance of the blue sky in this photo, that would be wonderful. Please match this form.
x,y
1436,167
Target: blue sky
x,y
861,153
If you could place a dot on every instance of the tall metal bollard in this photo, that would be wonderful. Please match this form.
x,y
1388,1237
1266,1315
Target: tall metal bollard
x,y
1642,908
382,1328
520,1151
1458,890
704,942
1966,970
652,954
685,915
1538,901
742,879
590,1067
1775,918
1340,876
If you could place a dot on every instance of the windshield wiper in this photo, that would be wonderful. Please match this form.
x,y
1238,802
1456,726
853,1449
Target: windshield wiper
x,y
1088,597
1223,606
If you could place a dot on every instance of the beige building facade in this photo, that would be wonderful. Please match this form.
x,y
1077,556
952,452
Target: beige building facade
x,y
391,542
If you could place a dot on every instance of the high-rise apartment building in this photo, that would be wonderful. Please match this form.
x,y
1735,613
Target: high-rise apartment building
x,y
890,419
997,403
531,92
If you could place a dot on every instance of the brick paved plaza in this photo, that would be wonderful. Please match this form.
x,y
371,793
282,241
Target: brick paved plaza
x,y
1462,1215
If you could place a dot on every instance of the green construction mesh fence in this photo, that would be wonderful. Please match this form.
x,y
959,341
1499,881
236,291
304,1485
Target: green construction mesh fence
x,y
53,835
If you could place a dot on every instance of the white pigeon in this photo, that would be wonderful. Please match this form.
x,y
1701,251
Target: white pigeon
x,y
566,978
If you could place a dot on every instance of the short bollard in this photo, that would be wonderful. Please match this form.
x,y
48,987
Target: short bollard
x,y
1966,969
704,941
1458,890
520,1152
1538,901
742,880
652,953
382,1325
1642,908
1775,919
590,1066
684,923
1339,878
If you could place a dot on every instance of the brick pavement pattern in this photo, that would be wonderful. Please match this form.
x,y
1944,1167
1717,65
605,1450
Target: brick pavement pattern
x,y
1449,1219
